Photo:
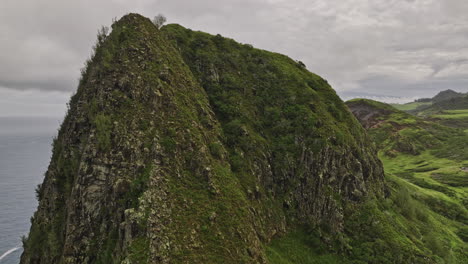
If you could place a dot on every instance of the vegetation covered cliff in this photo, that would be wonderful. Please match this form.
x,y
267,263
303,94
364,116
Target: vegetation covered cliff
x,y
184,147
197,153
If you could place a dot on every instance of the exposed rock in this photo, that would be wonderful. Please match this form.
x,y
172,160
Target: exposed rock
x,y
166,158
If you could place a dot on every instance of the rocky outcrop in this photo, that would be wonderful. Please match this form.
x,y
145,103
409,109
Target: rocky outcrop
x,y
368,115
181,147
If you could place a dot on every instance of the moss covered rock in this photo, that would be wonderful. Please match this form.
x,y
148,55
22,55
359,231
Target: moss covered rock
x,y
183,147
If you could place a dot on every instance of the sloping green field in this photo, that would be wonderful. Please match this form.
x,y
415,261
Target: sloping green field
x,y
453,114
425,165
410,106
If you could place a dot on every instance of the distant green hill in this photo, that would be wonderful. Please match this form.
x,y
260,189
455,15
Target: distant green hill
x,y
455,103
446,95
425,103
397,131
448,107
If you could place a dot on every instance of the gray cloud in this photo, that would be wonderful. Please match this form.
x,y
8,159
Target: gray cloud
x,y
381,47
32,102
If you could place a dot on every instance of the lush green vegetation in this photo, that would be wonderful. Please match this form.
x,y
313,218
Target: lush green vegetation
x,y
448,108
453,114
282,98
443,200
103,125
410,106
209,137
412,225
398,131
280,109
301,246
428,200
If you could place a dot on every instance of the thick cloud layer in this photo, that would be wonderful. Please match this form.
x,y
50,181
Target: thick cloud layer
x,y
402,48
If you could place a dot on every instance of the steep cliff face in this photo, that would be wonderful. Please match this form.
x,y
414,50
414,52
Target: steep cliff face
x,y
182,147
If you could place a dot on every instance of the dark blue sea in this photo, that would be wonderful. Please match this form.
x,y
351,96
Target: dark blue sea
x,y
25,151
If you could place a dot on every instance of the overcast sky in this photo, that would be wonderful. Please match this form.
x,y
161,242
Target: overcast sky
x,y
399,48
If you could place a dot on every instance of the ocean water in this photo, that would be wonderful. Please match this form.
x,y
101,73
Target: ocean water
x,y
25,151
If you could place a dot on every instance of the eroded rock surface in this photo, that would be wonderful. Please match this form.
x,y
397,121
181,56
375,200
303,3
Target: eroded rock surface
x,y
181,148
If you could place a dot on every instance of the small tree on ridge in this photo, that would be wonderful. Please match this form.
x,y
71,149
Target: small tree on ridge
x,y
159,20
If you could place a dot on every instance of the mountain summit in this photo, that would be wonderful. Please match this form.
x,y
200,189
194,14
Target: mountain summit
x,y
183,147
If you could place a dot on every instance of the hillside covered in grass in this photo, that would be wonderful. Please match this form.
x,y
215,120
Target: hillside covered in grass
x,y
395,131
425,163
448,108
425,103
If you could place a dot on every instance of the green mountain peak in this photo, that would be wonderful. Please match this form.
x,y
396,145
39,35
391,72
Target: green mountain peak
x,y
184,147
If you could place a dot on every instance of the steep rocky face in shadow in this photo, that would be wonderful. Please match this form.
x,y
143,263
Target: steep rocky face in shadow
x,y
368,115
182,147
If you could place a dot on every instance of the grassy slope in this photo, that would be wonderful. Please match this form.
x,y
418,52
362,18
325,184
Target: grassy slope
x,y
410,225
410,106
429,189
453,118
298,247
451,112
398,131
